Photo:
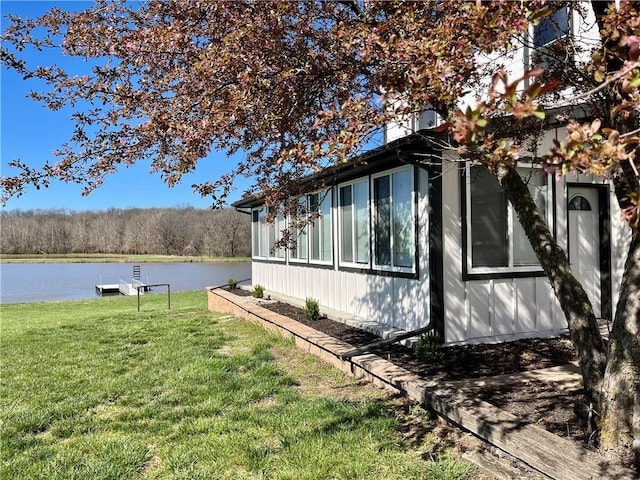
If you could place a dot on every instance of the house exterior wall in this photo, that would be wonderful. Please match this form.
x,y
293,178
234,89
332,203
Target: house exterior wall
x,y
486,307
498,307
476,308
381,297
488,310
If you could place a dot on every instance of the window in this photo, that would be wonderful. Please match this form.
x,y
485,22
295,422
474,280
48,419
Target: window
x,y
258,232
320,227
275,234
354,223
265,235
496,239
551,28
393,219
299,237
579,203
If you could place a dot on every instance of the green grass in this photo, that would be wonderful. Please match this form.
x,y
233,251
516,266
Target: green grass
x,y
112,258
94,390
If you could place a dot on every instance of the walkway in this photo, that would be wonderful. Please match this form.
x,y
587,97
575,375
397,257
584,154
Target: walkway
x,y
547,453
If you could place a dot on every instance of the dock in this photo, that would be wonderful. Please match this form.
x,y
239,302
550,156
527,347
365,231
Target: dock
x,y
122,288
107,289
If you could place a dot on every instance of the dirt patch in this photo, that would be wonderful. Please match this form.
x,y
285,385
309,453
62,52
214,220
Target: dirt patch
x,y
534,402
543,405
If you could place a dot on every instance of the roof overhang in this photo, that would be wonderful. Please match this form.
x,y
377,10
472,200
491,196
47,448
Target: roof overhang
x,y
372,161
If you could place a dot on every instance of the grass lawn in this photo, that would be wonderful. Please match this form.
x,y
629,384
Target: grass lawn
x,y
91,389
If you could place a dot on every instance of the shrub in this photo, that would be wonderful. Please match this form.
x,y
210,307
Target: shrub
x,y
258,291
232,283
312,309
428,348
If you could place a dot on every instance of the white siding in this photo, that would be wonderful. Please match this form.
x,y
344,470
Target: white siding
x,y
394,301
493,310
484,310
488,310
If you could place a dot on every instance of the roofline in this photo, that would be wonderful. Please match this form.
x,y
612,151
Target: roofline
x,y
361,164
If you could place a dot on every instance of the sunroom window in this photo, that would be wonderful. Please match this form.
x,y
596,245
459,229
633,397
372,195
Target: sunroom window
x,y
393,218
354,223
259,232
299,237
320,228
496,239
274,234
265,235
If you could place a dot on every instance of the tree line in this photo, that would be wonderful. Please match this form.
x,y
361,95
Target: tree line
x,y
160,231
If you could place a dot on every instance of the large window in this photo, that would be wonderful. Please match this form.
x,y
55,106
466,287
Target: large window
x,y
265,235
393,221
375,221
496,240
258,232
552,27
275,235
298,230
354,223
320,227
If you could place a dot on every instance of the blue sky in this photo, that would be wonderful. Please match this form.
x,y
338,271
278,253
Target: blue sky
x,y
31,132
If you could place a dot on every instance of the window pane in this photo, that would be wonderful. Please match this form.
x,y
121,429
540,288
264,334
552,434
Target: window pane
x,y
301,245
298,234
321,226
262,240
255,233
382,201
523,253
346,224
361,202
579,203
271,229
403,227
325,209
315,228
277,228
489,247
551,28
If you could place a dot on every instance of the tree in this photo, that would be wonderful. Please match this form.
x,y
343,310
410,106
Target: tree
x,y
303,86
228,233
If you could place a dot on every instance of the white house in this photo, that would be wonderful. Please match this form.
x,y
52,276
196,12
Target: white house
x,y
415,235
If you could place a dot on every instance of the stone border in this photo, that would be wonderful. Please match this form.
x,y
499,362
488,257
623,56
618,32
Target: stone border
x,y
547,453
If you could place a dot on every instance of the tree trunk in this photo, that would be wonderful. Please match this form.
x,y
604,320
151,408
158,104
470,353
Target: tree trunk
x,y
574,302
620,422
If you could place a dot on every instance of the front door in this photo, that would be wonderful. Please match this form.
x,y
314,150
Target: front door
x,y
584,241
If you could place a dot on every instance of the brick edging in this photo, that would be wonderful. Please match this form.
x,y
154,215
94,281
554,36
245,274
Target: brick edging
x,y
548,453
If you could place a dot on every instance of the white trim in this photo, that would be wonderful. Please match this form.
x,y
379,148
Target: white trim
x,y
328,194
374,240
278,221
263,233
511,216
304,231
354,263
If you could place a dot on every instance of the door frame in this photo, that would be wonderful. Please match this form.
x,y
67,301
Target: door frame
x,y
604,232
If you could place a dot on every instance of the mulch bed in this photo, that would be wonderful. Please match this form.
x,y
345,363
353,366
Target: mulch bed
x,y
459,362
534,402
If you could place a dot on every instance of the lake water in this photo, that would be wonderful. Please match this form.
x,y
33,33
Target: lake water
x,y
41,282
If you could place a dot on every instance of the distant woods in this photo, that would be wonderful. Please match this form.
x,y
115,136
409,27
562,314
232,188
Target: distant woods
x,y
159,231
